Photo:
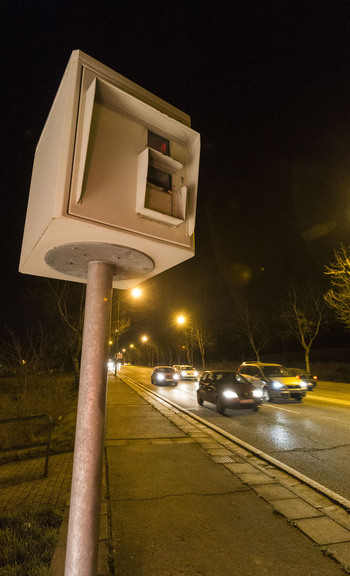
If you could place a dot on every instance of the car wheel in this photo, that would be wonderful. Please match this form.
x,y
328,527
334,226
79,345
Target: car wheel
x,y
220,408
199,399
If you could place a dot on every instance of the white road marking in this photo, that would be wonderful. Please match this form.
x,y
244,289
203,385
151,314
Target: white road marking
x,y
285,409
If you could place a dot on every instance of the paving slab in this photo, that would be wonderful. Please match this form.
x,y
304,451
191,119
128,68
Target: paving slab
x,y
295,508
341,552
324,530
273,492
139,421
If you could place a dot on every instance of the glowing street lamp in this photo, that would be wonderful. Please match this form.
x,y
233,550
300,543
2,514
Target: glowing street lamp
x,y
182,320
135,353
149,355
136,293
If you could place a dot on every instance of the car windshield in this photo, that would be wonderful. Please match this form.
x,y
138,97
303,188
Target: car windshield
x,y
228,378
165,369
186,367
277,371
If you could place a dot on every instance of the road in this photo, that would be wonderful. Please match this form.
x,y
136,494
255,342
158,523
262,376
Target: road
x,y
312,437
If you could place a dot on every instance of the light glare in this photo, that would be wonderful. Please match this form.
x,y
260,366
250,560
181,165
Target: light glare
x,y
136,292
230,394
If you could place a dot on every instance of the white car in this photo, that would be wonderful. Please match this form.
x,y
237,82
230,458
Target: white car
x,y
278,382
186,372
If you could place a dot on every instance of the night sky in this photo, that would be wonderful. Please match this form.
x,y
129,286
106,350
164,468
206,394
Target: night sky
x,y
267,86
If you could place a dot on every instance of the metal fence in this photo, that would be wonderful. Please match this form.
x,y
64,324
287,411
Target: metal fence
x,y
37,444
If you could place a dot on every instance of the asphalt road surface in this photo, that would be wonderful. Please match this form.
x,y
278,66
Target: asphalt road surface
x,y
312,437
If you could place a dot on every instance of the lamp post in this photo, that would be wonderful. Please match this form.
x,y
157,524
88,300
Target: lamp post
x,y
136,351
136,293
182,321
144,340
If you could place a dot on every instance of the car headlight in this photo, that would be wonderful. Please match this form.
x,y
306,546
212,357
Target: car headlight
x,y
111,365
196,373
229,394
183,373
160,377
258,393
277,385
175,376
303,384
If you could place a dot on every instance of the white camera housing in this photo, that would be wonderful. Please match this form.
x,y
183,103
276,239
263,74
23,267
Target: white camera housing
x,y
115,178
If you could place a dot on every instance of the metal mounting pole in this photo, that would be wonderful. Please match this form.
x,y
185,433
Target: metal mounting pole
x,y
85,504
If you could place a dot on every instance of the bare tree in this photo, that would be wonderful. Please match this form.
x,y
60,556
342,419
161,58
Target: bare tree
x,y
70,300
26,355
252,329
338,297
202,339
304,314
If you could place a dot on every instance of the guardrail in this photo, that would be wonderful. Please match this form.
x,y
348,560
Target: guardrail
x,y
36,445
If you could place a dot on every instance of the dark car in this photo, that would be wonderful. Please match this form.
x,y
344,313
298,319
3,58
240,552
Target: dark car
x,y
227,389
164,375
311,380
278,382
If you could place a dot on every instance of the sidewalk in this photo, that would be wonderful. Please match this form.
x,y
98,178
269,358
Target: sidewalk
x,y
22,484
181,500
184,501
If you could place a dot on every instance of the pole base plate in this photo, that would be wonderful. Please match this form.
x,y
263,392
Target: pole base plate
x,y
73,259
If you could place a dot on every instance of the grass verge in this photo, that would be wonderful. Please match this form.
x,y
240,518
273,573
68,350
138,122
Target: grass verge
x,y
50,394
27,541
28,537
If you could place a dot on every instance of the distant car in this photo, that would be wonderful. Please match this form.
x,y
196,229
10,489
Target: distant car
x,y
228,390
111,365
311,380
278,382
164,375
186,372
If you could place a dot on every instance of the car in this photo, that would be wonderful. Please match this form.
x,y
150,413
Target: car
x,y
186,372
278,382
111,365
311,380
164,375
228,390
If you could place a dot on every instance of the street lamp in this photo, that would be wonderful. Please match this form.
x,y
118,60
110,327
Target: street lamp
x,y
136,293
136,351
144,339
182,321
